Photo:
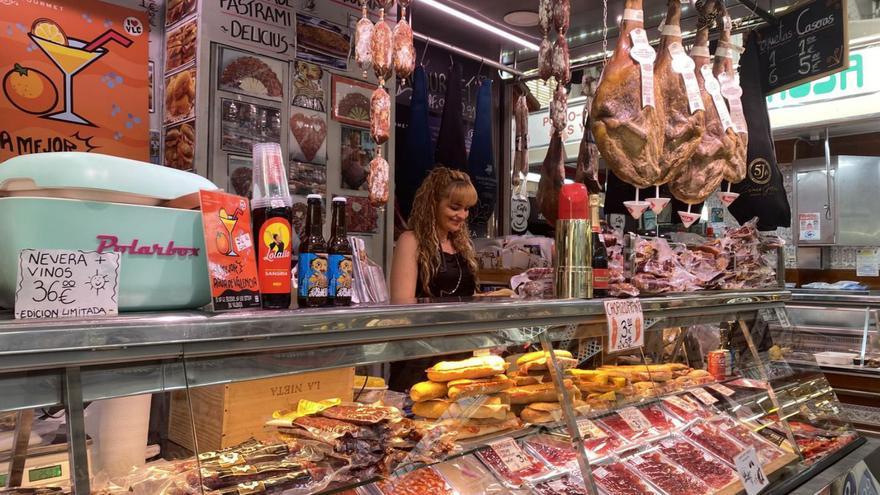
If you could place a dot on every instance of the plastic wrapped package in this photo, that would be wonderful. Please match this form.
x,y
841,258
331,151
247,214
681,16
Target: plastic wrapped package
x,y
534,472
711,438
468,476
598,440
698,462
767,452
667,475
553,450
622,423
419,482
566,485
685,407
614,478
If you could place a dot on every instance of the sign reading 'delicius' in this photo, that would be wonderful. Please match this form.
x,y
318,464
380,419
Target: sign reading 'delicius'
x,y
57,283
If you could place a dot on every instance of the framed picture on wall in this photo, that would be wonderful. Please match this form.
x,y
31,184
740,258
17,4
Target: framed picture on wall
x,y
357,149
240,170
351,101
250,74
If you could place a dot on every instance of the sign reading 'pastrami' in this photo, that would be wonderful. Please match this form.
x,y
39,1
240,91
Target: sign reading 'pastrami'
x,y
111,243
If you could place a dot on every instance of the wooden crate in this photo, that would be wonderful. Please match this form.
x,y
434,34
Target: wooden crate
x,y
230,414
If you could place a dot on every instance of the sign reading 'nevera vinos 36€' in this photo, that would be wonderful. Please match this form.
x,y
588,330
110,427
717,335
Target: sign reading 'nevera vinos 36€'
x,y
58,283
626,324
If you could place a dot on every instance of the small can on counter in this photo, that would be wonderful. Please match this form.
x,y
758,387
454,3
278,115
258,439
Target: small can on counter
x,y
720,363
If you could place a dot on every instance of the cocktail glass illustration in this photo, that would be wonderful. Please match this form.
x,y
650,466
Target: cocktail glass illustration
x,y
71,56
229,222
70,60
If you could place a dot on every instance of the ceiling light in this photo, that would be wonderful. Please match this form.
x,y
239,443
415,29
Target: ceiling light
x,y
480,24
522,18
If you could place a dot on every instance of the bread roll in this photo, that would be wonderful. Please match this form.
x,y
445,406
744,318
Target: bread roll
x,y
460,389
698,373
523,380
423,391
475,367
540,360
479,410
474,428
542,412
431,409
542,392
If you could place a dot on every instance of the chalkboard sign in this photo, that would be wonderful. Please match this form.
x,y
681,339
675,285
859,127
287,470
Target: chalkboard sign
x,y
808,43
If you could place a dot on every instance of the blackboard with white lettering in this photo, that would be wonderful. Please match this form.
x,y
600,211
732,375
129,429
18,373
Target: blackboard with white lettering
x,y
808,43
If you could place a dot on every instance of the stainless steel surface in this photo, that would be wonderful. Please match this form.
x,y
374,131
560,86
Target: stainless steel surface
x,y
23,422
811,196
76,432
843,298
574,275
828,203
467,54
28,345
858,201
809,257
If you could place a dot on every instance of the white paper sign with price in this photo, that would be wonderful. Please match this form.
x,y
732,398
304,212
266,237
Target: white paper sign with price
x,y
750,472
511,454
626,324
58,283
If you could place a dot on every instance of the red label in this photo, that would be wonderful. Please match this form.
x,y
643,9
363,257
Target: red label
x,y
274,256
600,278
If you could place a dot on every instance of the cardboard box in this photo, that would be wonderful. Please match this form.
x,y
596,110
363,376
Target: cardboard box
x,y
227,415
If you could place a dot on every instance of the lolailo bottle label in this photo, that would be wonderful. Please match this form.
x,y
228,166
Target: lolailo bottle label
x,y
274,261
600,278
341,275
312,275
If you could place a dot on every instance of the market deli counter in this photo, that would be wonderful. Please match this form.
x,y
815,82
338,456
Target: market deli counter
x,y
839,329
494,397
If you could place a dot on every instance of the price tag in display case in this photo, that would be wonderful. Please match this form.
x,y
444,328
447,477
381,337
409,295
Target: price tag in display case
x,y
634,418
626,324
721,389
750,472
511,454
58,283
705,397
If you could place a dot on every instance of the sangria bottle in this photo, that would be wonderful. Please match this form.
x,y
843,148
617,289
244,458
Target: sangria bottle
x,y
272,214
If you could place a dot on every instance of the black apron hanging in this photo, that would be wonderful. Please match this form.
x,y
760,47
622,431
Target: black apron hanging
x,y
762,192
451,151
412,168
481,161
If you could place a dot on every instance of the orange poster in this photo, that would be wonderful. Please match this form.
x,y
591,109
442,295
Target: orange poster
x,y
232,259
75,78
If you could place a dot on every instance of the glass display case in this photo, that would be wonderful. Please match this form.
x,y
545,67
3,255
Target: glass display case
x,y
482,397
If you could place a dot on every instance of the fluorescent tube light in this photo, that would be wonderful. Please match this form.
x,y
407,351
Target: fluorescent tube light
x,y
480,24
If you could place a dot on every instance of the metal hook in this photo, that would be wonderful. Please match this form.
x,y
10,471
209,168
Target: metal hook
x,y
477,74
425,51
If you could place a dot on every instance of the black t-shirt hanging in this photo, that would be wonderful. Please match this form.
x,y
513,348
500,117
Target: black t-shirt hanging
x,y
762,192
451,151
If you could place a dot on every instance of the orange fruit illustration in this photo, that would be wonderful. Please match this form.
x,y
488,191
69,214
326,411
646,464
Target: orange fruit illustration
x,y
49,30
222,243
30,90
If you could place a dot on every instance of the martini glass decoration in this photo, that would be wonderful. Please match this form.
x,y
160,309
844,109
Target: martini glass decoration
x,y
229,222
71,56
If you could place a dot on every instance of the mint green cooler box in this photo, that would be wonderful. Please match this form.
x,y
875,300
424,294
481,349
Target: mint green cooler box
x,y
68,200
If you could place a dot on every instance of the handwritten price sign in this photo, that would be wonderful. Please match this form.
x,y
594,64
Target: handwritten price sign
x,y
56,283
626,324
750,472
511,455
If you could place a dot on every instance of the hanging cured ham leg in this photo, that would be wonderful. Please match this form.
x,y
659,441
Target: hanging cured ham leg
x,y
704,172
627,119
677,88
587,171
552,176
735,171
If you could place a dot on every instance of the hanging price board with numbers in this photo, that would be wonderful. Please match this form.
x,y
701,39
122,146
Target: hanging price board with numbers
x,y
626,324
58,283
808,43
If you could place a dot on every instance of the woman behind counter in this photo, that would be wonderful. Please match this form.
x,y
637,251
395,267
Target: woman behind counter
x,y
436,258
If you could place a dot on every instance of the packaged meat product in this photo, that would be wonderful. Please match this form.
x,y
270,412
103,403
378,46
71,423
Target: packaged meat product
x,y
658,417
380,115
711,438
404,56
698,462
533,470
598,441
567,485
685,408
554,451
361,414
362,35
381,46
767,452
667,476
247,454
616,479
219,477
420,482
467,476
637,424
378,181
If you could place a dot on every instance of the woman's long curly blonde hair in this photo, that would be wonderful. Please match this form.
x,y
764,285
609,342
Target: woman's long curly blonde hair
x,y
442,183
